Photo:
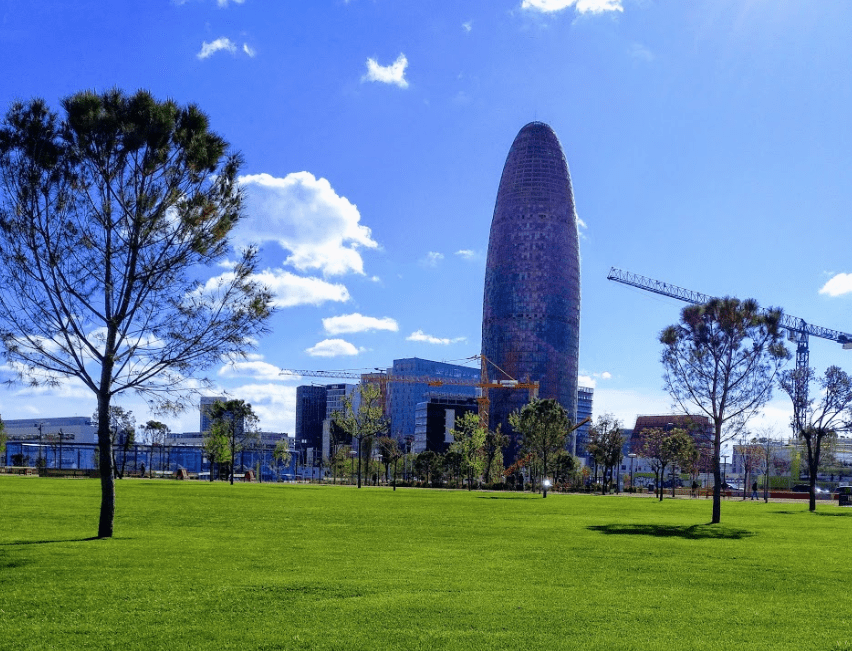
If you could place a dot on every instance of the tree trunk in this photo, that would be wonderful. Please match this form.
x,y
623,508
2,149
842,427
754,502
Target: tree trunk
x,y
107,515
717,476
360,450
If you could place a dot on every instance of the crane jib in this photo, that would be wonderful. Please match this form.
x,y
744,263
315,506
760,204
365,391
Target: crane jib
x,y
788,322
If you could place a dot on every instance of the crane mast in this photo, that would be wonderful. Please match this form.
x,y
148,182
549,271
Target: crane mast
x,y
799,331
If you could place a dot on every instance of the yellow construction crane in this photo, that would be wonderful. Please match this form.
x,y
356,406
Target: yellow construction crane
x,y
382,379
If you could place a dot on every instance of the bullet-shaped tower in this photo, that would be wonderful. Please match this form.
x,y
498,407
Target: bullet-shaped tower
x,y
531,308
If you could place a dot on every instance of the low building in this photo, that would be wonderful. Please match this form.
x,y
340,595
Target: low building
x,y
69,429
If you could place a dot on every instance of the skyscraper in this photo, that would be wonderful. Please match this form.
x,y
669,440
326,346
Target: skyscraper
x,y
531,307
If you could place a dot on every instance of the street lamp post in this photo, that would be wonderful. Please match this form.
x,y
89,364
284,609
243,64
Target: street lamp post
x,y
40,434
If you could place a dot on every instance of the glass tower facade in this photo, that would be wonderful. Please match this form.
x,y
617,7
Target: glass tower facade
x,y
531,305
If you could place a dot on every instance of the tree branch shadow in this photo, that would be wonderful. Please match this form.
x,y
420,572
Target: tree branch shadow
x,y
692,532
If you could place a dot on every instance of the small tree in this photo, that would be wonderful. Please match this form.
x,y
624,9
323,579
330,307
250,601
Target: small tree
x,y
723,358
751,454
156,434
470,436
237,423
815,421
362,420
218,450
281,453
544,425
107,214
767,447
606,441
427,464
663,448
495,443
564,467
389,450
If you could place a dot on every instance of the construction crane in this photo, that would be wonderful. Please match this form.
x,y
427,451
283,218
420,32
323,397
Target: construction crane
x,y
382,379
799,331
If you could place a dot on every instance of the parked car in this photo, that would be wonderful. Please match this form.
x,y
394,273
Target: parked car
x,y
806,488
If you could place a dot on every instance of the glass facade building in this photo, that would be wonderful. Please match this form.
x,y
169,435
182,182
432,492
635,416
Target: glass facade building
x,y
531,303
403,397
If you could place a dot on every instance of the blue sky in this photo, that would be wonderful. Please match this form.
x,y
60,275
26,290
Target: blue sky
x,y
709,146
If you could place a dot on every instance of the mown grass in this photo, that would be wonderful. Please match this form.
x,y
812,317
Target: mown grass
x,y
195,565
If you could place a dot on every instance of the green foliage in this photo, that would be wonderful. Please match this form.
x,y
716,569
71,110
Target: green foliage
x,y
469,443
362,419
282,453
412,569
544,425
816,421
722,358
3,437
664,448
605,443
234,422
106,213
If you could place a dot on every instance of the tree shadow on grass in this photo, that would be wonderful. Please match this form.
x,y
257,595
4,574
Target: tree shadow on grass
x,y
842,514
693,532
46,542
510,496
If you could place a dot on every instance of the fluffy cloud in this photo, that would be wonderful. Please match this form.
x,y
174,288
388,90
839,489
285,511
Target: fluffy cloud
x,y
224,3
304,215
332,348
592,380
288,289
467,26
222,43
840,284
336,325
274,404
392,74
582,6
466,254
429,339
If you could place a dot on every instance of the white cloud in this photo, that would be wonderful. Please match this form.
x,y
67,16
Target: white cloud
x,y
586,381
304,215
432,259
288,289
248,49
466,254
392,74
332,348
467,26
838,285
274,404
582,6
251,369
224,3
429,339
222,43
345,323
606,375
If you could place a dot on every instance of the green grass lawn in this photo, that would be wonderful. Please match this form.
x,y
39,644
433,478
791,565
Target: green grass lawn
x,y
199,565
